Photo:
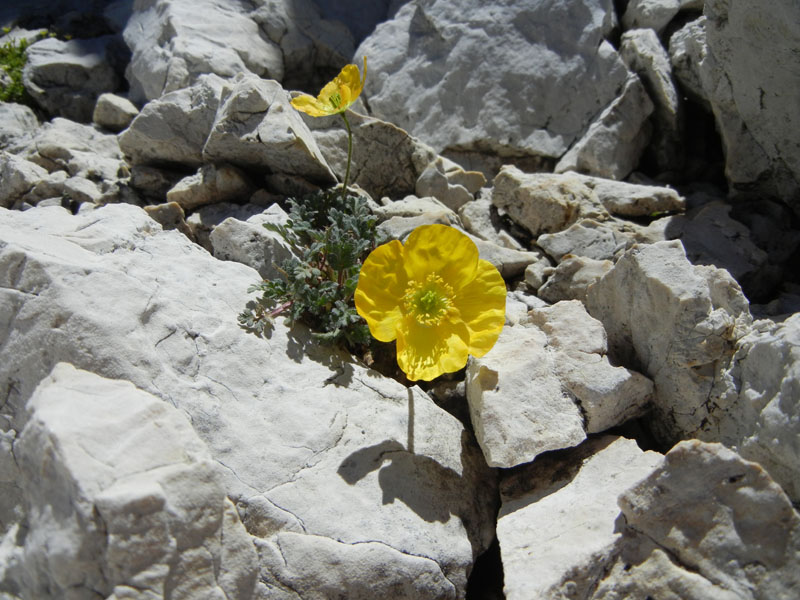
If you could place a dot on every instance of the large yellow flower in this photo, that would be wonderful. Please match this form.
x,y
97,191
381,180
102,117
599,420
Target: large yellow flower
x,y
337,95
435,296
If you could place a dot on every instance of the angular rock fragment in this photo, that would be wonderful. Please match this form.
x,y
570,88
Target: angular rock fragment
x,y
173,129
113,112
544,203
211,184
256,127
613,143
708,523
676,323
122,493
556,524
571,279
111,291
66,77
586,238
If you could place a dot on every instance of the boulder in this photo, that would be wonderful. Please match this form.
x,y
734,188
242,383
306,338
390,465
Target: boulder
x,y
556,524
707,523
756,107
19,177
586,238
543,202
174,43
764,422
516,402
701,313
570,280
18,124
211,184
687,51
625,199
66,77
256,127
113,293
121,496
650,14
113,112
251,244
481,219
492,77
172,130
551,369
644,55
613,143
386,160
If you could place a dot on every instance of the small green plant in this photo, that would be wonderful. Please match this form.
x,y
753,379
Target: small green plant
x,y
330,236
12,61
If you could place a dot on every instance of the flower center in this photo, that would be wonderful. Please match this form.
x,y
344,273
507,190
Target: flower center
x,y
429,301
335,100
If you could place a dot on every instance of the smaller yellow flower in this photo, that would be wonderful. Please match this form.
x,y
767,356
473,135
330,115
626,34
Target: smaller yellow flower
x,y
435,297
337,95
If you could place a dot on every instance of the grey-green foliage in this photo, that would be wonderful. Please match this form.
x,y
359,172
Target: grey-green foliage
x,y
330,237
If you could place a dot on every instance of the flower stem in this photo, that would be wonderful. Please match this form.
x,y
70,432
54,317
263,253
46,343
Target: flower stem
x,y
349,154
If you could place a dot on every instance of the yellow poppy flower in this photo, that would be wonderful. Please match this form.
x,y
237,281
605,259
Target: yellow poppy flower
x,y
337,95
435,296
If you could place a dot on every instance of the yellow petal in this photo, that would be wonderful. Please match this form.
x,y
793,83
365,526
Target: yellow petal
x,y
442,250
482,306
309,105
379,293
427,352
352,79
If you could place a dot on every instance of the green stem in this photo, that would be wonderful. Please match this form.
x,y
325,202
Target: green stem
x,y
349,155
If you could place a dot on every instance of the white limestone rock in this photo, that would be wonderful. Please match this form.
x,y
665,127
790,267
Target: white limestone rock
x,y
19,176
711,237
701,313
708,523
66,77
650,14
110,291
434,182
625,199
764,425
82,190
756,107
481,219
644,55
173,129
251,244
113,112
516,402
487,77
607,395
543,202
120,492
18,123
204,219
386,160
79,149
256,127
570,280
211,184
508,261
313,45
412,206
175,42
556,525
613,143
586,238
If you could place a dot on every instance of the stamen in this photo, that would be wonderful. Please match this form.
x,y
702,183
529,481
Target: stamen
x,y
428,301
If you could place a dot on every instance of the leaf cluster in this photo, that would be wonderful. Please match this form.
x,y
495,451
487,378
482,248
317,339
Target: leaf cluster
x,y
330,237
12,61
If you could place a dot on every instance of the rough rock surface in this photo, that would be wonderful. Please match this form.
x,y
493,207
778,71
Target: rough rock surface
x,y
65,78
256,127
706,524
173,129
465,74
756,107
549,550
552,369
122,497
113,112
701,313
397,472
174,42
570,280
543,202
